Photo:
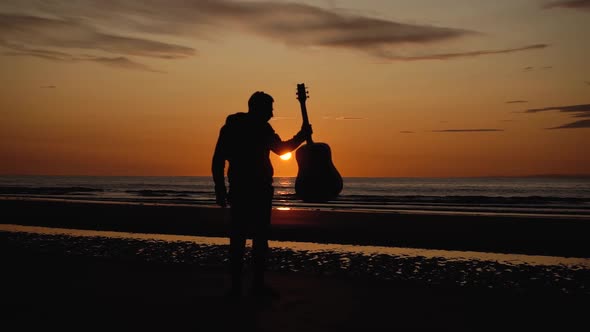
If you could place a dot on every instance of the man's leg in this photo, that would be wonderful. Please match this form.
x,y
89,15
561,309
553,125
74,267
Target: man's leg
x,y
259,256
260,244
237,243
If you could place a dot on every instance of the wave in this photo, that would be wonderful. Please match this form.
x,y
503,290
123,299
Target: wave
x,y
448,200
555,200
456,199
48,190
167,193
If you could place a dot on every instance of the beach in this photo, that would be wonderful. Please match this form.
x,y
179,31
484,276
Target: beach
x,y
136,281
539,235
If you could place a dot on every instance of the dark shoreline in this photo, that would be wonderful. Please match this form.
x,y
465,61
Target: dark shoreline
x,y
550,236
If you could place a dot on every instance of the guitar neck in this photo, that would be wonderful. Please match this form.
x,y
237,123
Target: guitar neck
x,y
305,119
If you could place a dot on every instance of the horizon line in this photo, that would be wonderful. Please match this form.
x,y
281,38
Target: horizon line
x,y
549,175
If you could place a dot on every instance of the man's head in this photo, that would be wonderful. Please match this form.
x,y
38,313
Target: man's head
x,y
260,105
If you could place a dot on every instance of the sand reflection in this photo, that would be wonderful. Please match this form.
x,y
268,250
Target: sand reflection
x,y
322,248
435,267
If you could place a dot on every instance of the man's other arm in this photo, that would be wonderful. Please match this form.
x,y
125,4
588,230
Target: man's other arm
x,y
218,168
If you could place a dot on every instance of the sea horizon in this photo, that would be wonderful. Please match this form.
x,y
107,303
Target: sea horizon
x,y
552,196
557,175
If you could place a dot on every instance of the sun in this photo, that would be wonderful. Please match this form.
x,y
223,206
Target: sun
x,y
286,156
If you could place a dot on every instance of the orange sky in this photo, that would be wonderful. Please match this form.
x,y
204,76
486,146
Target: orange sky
x,y
398,88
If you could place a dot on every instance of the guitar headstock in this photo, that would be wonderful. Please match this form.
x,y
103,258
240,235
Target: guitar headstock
x,y
302,93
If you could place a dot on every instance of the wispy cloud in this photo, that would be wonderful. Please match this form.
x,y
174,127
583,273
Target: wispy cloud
x,y
575,111
574,125
578,111
516,101
48,87
122,62
119,62
348,118
406,132
70,33
25,35
447,56
89,24
575,4
531,68
465,130
20,50
278,118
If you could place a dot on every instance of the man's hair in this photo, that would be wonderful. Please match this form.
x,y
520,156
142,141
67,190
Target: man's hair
x,y
258,98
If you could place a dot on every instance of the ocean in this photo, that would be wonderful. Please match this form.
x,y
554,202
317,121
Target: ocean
x,y
556,196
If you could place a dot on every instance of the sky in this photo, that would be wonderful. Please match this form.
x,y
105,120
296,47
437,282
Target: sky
x,y
398,88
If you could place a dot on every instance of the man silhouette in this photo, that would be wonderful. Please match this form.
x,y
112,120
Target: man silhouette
x,y
245,141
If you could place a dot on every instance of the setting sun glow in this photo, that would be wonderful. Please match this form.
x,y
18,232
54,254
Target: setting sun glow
x,y
286,156
397,88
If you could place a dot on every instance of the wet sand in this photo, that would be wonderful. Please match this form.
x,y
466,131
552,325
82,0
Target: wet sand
x,y
97,283
103,285
547,235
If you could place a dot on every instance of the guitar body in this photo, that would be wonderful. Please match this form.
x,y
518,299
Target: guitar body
x,y
318,180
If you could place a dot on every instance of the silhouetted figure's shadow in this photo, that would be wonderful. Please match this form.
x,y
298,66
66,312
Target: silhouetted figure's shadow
x,y
245,141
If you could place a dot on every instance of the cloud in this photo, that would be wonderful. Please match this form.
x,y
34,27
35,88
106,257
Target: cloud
x,y
465,130
72,34
406,132
573,125
306,25
119,62
587,82
20,50
332,117
88,24
575,111
48,87
573,4
19,32
122,62
578,111
516,101
447,56
531,68
277,118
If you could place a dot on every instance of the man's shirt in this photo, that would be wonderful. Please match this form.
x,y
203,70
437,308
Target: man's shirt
x,y
245,142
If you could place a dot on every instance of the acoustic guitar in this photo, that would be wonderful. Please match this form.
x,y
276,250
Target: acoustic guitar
x,y
318,179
